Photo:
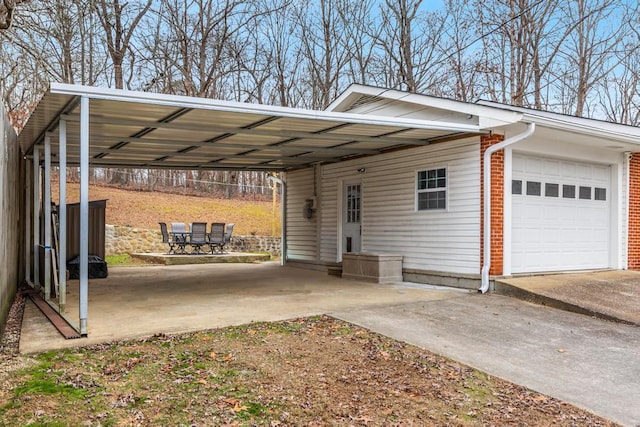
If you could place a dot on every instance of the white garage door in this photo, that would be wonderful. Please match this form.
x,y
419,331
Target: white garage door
x,y
561,215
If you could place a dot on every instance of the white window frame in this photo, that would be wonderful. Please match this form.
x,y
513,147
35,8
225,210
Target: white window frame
x,y
432,190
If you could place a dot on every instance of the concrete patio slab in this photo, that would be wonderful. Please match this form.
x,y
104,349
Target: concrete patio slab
x,y
184,259
142,301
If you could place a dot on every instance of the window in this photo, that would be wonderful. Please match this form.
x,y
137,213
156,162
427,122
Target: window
x,y
569,191
533,188
516,186
585,193
551,190
432,189
353,203
600,193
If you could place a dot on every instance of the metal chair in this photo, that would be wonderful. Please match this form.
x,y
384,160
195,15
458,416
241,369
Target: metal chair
x,y
227,234
166,239
180,236
216,237
198,237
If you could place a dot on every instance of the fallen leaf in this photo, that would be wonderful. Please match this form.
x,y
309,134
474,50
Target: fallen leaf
x,y
239,408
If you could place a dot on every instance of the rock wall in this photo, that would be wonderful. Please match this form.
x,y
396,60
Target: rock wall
x,y
127,240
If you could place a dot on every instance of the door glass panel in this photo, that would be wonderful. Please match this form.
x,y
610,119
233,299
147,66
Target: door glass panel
x,y
353,203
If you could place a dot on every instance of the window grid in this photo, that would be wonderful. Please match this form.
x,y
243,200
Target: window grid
x,y
432,189
569,191
353,203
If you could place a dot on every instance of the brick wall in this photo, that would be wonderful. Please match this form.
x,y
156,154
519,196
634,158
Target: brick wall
x,y
497,203
634,213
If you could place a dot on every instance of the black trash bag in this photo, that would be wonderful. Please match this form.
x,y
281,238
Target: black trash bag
x,y
97,268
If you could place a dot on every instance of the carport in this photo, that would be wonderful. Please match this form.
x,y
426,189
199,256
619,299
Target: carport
x,y
79,126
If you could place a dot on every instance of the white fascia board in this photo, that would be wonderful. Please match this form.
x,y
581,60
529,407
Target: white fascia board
x,y
240,107
584,126
351,94
488,116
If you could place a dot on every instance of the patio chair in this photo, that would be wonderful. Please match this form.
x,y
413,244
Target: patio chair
x,y
180,236
227,234
216,237
198,237
166,239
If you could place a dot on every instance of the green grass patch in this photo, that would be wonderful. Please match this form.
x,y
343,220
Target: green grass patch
x,y
124,260
37,386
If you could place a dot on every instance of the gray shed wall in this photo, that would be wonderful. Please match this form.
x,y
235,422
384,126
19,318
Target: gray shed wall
x,y
10,218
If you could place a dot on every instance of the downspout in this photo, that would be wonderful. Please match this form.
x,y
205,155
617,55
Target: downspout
x,y
283,241
531,127
627,158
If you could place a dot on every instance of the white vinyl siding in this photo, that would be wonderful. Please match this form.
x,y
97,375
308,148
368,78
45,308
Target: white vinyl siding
x,y
437,240
301,232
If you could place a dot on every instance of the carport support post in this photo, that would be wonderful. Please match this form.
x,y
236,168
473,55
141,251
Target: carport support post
x,y
36,217
283,241
27,216
46,200
62,215
84,213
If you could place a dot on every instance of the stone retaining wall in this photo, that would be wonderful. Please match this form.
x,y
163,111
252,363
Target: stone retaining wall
x,y
127,240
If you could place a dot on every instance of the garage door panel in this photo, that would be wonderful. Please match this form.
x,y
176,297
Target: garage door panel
x,y
559,233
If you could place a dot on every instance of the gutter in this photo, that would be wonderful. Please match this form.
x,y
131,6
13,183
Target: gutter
x,y
283,244
531,127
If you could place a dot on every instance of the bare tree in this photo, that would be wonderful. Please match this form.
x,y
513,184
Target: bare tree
x,y
590,52
409,40
118,29
7,7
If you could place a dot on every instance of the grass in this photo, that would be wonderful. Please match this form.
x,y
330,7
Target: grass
x,y
124,260
312,371
142,209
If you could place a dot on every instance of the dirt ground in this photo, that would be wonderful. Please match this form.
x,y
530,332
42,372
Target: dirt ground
x,y
310,371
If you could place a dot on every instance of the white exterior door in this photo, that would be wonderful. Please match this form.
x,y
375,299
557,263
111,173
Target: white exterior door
x,y
351,217
561,216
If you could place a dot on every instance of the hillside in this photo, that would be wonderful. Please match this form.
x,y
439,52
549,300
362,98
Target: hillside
x,y
145,209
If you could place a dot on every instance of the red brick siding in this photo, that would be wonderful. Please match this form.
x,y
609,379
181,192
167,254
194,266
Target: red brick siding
x,y
497,203
634,213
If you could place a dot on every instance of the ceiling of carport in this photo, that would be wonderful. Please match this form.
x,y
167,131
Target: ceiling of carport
x,y
142,130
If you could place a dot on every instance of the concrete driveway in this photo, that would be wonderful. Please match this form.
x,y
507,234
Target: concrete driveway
x,y
591,363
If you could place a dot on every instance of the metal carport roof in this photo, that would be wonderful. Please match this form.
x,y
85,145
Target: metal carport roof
x,y
147,130
87,126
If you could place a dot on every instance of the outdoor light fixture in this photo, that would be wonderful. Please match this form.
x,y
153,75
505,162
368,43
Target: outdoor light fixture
x,y
362,170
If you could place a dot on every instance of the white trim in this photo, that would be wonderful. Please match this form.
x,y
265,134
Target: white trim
x,y
27,222
62,215
36,217
574,124
340,218
416,192
84,216
488,116
625,234
247,108
46,202
507,216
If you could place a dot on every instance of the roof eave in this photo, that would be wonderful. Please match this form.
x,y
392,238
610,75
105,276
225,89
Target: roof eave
x,y
599,129
230,106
